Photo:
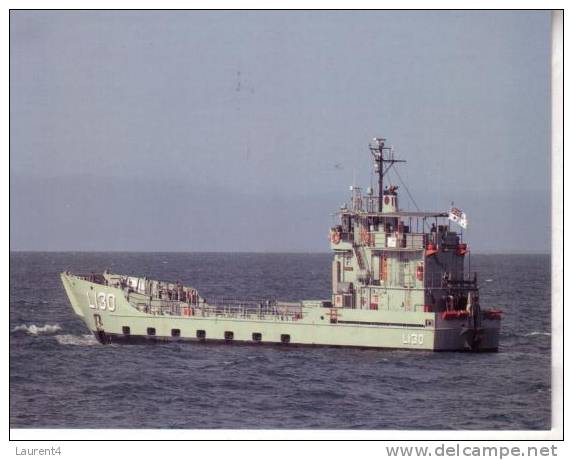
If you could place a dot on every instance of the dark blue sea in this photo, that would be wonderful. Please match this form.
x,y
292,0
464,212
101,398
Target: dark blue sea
x,y
60,377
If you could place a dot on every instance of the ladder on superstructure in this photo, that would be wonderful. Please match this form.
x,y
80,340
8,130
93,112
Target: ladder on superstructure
x,y
360,258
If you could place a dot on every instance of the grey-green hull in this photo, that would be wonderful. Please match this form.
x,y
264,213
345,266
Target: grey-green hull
x,y
109,312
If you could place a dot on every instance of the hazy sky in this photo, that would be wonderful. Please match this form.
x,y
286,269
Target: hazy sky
x,y
192,131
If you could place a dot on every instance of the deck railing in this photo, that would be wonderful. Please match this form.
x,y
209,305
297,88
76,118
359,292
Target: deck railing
x,y
450,280
222,308
390,240
97,278
400,241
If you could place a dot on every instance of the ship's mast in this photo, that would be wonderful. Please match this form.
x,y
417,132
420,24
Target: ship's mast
x,y
382,156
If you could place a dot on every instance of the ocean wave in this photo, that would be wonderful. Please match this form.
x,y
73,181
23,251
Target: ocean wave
x,y
80,340
30,302
537,333
32,329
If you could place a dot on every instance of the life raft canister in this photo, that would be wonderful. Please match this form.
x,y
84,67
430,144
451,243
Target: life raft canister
x,y
455,314
335,236
364,235
462,249
431,249
420,272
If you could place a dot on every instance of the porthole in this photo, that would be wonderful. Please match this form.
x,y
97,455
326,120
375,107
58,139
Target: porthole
x,y
229,336
150,331
201,335
125,330
257,337
285,338
175,332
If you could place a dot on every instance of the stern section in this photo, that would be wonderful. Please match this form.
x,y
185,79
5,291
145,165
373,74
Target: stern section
x,y
460,334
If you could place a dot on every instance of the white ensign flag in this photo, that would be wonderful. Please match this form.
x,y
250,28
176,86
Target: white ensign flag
x,y
458,217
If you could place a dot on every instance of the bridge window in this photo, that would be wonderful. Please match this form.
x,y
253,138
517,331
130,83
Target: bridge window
x,y
150,331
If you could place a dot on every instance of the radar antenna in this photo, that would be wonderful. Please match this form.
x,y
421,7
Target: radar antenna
x,y
383,161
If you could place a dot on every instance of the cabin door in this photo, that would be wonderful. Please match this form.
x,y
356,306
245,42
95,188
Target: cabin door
x,y
406,275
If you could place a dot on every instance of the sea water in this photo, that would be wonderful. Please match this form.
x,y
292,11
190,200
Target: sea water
x,y
61,377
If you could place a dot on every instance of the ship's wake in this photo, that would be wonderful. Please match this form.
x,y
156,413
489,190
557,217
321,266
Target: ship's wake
x,y
78,340
53,330
537,333
32,329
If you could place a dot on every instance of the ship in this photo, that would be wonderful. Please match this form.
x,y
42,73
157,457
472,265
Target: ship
x,y
400,280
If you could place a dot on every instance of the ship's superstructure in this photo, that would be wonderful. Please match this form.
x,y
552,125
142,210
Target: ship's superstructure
x,y
400,279
395,260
